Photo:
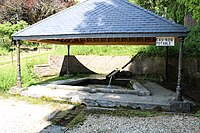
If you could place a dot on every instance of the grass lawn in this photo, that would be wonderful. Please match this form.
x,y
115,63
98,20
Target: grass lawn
x,y
8,70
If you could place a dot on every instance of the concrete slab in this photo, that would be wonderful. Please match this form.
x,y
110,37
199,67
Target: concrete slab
x,y
160,97
70,84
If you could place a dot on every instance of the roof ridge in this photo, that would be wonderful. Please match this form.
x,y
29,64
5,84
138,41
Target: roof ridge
x,y
151,13
48,18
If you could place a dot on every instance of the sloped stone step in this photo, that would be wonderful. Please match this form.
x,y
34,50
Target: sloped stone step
x,y
142,91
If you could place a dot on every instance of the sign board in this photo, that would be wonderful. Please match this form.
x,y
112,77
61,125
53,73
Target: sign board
x,y
165,41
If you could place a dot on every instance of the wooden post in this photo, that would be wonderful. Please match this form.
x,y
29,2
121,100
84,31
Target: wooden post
x,y
180,61
68,59
19,81
166,63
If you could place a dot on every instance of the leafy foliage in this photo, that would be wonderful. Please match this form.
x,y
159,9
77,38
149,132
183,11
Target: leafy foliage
x,y
175,10
194,35
192,6
30,11
193,42
6,30
170,9
153,51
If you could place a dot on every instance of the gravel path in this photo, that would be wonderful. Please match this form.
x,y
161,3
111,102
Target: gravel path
x,y
160,124
21,117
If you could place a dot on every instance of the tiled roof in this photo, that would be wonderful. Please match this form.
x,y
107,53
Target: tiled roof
x,y
102,19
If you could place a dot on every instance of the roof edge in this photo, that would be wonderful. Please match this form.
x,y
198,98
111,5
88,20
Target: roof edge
x,y
102,35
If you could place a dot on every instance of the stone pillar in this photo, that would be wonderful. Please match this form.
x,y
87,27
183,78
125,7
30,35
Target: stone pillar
x,y
180,60
19,81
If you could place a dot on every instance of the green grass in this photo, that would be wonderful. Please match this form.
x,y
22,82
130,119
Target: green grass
x,y
3,51
126,113
78,120
29,57
41,101
8,73
98,50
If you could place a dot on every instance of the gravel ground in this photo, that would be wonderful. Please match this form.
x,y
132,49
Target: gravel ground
x,y
160,124
21,117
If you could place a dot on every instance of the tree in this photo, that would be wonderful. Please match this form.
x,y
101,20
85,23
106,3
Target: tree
x,y
170,9
7,29
193,6
175,11
30,11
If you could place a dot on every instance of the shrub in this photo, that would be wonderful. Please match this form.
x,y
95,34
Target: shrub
x,y
191,46
6,31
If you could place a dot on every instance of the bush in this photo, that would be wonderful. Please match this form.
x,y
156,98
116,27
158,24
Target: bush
x,y
7,28
191,46
6,31
153,51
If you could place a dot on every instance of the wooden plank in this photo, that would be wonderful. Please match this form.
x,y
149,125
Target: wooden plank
x,y
119,43
73,42
101,41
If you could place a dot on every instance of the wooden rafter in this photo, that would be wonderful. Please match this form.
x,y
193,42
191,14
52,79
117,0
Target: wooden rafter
x,y
101,41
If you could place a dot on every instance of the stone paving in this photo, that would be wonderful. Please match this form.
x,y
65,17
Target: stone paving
x,y
160,97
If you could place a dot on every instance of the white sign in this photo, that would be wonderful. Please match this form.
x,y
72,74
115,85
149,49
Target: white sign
x,y
165,41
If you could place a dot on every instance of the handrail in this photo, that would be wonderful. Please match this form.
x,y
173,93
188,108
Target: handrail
x,y
133,58
118,70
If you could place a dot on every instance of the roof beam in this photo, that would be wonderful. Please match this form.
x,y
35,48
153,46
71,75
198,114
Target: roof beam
x,y
101,41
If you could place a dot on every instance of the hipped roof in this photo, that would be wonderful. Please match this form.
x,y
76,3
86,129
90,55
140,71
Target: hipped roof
x,y
102,19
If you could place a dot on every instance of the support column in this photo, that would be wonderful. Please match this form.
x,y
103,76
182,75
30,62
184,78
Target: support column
x,y
166,63
68,59
180,60
19,81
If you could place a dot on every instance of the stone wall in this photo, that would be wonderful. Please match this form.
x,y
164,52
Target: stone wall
x,y
148,65
52,68
191,70
81,64
105,64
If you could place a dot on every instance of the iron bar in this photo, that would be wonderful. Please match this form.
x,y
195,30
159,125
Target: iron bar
x,y
180,61
166,63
